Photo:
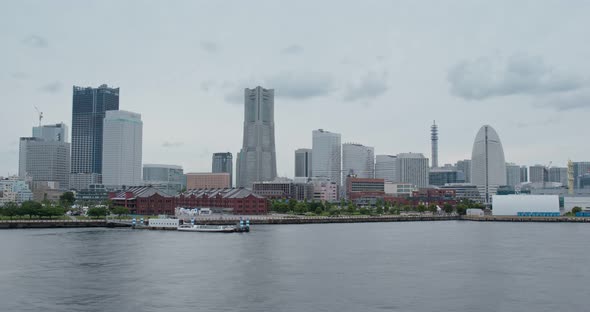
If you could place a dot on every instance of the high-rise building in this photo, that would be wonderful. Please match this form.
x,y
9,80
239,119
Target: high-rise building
x,y
303,158
385,167
434,143
122,149
580,168
538,174
488,165
358,160
558,174
442,176
257,158
327,155
223,162
513,174
54,133
524,174
412,168
167,178
45,161
88,112
465,166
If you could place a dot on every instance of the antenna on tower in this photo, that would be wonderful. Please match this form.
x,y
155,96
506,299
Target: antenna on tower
x,y
40,115
434,143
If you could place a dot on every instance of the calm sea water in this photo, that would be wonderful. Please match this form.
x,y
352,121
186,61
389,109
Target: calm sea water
x,y
417,266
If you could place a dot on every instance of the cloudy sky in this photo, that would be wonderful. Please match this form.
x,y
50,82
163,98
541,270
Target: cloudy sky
x,y
378,72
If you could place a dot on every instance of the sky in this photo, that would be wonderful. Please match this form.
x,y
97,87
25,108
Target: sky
x,y
378,72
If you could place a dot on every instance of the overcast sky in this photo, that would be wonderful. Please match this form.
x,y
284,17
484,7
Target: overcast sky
x,y
378,72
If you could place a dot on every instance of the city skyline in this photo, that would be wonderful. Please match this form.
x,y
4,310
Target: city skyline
x,y
478,73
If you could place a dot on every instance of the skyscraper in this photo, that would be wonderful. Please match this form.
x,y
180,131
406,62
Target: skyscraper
x,y
88,112
257,158
412,168
580,168
488,165
122,149
303,157
223,162
465,166
524,174
538,174
434,143
513,173
45,157
385,167
327,155
558,174
358,160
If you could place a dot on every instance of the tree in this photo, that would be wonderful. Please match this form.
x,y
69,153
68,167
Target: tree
x,y
432,208
97,212
291,204
119,211
576,210
9,210
300,208
448,208
67,199
379,210
461,209
364,211
421,208
31,208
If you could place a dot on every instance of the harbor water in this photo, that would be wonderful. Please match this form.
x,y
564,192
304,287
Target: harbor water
x,y
408,266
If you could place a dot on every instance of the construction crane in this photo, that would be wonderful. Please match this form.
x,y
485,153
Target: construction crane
x,y
40,115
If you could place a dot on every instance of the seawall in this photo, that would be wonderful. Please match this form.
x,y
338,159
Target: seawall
x,y
42,224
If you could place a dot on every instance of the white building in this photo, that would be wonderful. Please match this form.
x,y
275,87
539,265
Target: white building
x,y
399,189
57,132
488,166
327,155
324,190
511,205
122,149
358,160
14,189
385,167
513,174
412,168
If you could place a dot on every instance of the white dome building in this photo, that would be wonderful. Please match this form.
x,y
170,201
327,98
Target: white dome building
x,y
488,166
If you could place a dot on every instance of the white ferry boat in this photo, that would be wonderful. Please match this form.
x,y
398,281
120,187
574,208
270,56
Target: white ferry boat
x,y
207,228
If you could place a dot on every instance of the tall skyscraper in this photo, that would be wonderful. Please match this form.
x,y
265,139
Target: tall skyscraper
x,y
358,160
88,112
303,157
122,149
513,173
46,156
327,155
434,143
488,165
580,168
412,168
465,166
54,133
524,174
223,162
538,174
385,167
257,158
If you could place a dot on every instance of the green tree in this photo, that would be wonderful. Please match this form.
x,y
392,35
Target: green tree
x,y
334,211
461,209
300,208
119,211
292,204
364,211
379,210
351,208
9,210
448,208
432,208
67,199
576,210
96,212
421,208
31,208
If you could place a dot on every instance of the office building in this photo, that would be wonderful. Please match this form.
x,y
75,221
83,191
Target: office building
x,y
45,161
88,111
167,178
524,174
464,191
538,174
223,162
513,174
53,133
385,167
303,162
324,190
465,166
257,158
412,168
364,190
327,155
580,168
558,175
122,149
283,188
358,160
442,176
488,165
204,180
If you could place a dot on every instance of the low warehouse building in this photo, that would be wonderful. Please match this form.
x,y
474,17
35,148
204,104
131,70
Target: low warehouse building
x,y
512,205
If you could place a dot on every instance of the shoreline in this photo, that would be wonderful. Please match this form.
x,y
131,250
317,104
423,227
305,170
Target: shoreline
x,y
254,220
